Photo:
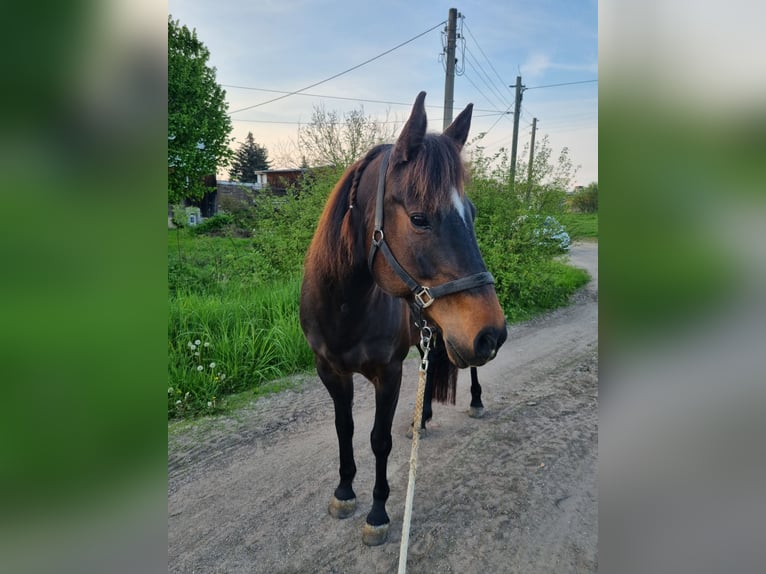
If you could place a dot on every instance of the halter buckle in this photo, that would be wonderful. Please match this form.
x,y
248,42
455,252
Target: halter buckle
x,y
424,297
377,237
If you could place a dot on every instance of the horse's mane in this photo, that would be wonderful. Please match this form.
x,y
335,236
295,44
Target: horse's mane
x,y
336,239
430,177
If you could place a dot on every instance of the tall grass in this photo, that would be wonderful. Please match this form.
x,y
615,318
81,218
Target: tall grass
x,y
252,336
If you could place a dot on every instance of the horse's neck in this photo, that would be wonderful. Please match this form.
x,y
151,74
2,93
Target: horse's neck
x,y
355,287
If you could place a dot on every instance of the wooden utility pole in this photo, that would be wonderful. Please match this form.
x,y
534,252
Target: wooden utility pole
x,y
531,161
516,114
449,80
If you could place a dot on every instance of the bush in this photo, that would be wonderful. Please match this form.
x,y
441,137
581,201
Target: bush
x,y
543,232
520,241
586,200
215,225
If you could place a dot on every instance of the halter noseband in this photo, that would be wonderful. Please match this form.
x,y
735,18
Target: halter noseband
x,y
423,296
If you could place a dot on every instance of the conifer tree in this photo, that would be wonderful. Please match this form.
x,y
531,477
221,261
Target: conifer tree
x,y
249,158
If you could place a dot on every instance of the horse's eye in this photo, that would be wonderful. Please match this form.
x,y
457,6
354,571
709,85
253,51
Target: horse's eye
x,y
420,220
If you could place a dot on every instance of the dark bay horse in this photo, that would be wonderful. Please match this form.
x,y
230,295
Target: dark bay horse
x,y
395,252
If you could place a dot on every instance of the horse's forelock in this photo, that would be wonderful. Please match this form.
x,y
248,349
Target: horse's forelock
x,y
432,175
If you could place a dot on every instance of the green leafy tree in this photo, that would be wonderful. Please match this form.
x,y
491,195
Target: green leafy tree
x,y
249,158
198,122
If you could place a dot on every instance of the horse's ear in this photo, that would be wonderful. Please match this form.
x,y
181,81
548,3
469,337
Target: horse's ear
x,y
411,139
458,129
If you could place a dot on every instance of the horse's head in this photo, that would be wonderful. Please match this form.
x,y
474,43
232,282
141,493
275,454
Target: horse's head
x,y
428,229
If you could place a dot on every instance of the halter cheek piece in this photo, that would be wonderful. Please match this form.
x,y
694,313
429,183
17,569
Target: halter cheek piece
x,y
423,296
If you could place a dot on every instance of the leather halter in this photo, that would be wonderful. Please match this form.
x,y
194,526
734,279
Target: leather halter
x,y
423,296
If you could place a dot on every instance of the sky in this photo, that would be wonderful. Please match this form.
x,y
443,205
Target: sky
x,y
265,49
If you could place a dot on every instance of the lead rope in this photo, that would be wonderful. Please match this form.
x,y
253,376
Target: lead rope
x,y
425,344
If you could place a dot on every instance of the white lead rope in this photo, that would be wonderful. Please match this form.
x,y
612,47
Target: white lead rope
x,y
425,342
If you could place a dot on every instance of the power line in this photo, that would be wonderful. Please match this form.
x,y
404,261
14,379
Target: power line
x,y
502,82
485,77
291,123
325,96
564,84
505,113
340,73
478,89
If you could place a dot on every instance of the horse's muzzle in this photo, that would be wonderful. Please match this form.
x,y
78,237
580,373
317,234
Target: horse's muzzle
x,y
487,343
485,347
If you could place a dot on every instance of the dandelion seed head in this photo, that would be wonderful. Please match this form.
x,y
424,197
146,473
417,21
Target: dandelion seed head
x,y
212,365
206,344
198,342
200,367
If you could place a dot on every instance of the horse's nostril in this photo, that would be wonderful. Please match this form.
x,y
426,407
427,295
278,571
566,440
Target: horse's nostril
x,y
485,346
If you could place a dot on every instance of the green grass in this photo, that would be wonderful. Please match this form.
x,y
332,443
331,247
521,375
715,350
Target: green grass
x,y
580,225
252,337
246,323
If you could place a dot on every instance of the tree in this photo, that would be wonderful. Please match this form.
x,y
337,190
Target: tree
x,y
198,122
330,140
249,158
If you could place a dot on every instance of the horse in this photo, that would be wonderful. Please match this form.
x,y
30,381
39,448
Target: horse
x,y
370,291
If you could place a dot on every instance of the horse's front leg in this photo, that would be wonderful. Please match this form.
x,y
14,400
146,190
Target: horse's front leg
x,y
476,410
341,389
387,386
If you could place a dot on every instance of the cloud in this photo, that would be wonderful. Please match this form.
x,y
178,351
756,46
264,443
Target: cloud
x,y
537,64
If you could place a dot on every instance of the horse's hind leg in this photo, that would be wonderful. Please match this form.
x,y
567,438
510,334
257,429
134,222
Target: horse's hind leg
x,y
476,410
341,389
386,396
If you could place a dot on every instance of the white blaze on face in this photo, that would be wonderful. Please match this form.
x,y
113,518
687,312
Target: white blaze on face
x,y
457,201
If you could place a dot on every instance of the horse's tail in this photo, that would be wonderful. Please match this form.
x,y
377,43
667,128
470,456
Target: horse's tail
x,y
443,373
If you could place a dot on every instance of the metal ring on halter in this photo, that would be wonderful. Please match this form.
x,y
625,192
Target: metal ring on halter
x,y
377,237
424,297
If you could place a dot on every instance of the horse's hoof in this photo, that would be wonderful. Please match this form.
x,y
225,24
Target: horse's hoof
x,y
410,432
341,508
476,412
374,535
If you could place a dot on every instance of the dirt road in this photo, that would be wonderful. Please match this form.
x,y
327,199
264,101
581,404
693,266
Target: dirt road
x,y
512,492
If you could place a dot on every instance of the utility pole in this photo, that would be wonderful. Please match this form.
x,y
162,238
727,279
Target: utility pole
x,y
531,160
449,80
516,114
